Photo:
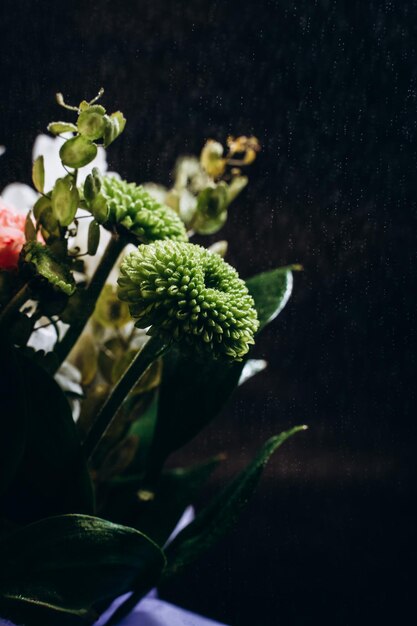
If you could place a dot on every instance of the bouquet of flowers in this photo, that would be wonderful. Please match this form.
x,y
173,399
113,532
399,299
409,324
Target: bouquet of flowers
x,y
120,341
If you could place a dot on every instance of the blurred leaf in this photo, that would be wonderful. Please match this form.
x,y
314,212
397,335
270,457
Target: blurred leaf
x,y
211,213
40,205
53,476
78,152
13,415
211,158
65,200
237,184
65,566
219,247
93,237
271,291
215,520
118,459
38,174
77,307
84,357
110,312
143,428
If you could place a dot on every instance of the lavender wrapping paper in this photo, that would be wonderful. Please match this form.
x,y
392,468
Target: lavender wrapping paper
x,y
151,611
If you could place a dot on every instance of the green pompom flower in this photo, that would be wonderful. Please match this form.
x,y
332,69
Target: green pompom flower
x,y
44,264
188,294
134,208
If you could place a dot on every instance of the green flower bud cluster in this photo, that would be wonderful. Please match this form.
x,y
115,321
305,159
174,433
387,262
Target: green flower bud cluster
x,y
188,294
132,207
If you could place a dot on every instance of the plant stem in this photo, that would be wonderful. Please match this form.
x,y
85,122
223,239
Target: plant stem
x,y
109,258
14,305
152,350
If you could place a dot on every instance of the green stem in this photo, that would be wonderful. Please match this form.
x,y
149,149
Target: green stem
x,y
152,350
14,305
109,258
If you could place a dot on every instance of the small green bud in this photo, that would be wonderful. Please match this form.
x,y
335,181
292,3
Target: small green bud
x,y
78,152
92,185
93,237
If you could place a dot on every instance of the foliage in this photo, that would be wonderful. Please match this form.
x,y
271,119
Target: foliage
x,y
87,507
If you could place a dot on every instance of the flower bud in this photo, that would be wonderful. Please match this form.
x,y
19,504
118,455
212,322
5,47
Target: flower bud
x,y
187,294
134,209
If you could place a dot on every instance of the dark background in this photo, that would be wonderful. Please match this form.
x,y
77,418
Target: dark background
x,y
329,88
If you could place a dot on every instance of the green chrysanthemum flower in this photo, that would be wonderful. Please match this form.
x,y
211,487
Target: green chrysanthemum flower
x,y
134,208
45,264
186,293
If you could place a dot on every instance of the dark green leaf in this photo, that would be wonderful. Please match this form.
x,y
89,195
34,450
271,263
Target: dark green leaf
x,y
271,291
13,415
21,329
78,152
193,392
214,521
53,476
93,237
38,174
65,566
